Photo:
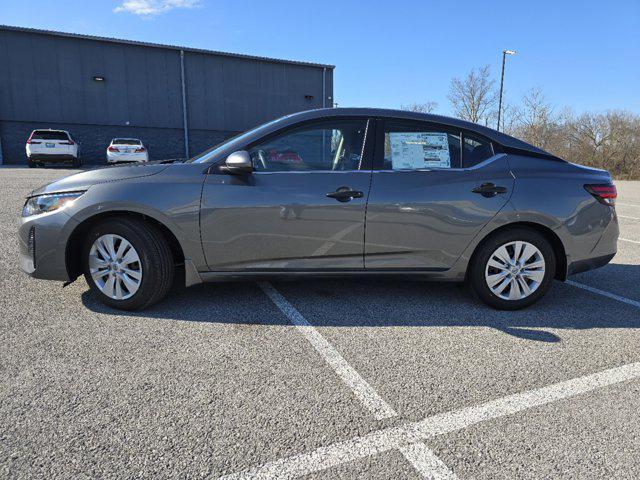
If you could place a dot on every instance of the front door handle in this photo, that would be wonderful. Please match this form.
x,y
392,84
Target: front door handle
x,y
345,194
489,190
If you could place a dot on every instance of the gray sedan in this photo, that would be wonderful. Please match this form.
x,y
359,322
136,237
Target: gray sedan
x,y
332,192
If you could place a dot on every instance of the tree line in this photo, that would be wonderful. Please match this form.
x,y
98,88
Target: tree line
x,y
608,140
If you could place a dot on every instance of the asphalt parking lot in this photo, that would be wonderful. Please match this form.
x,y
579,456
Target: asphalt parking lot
x,y
320,379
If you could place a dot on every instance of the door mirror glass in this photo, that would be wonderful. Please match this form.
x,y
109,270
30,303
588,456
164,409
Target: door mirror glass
x,y
239,162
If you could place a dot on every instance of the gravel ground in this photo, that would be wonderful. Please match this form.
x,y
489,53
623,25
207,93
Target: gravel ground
x,y
215,379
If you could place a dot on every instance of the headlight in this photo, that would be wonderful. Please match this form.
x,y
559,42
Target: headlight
x,y
48,203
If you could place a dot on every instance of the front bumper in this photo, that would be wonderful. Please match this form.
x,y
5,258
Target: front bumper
x,y
44,255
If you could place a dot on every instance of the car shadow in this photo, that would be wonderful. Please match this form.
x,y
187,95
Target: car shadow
x,y
394,303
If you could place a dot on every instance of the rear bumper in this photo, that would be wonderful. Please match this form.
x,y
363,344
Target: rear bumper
x,y
41,157
129,158
589,264
604,250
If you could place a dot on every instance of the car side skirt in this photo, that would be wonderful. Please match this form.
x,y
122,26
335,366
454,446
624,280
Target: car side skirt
x,y
404,274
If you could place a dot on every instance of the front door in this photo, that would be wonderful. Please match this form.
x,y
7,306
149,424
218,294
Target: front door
x,y
303,207
433,188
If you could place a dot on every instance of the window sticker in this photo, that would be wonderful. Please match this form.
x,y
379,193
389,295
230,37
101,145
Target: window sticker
x,y
415,150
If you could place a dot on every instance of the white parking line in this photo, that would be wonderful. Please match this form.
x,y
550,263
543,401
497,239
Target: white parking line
x,y
627,240
627,204
365,392
398,437
427,463
419,455
628,218
604,293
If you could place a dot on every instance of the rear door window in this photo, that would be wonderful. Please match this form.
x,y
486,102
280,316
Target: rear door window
x,y
418,146
48,135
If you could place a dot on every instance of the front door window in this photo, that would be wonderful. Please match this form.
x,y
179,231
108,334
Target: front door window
x,y
334,146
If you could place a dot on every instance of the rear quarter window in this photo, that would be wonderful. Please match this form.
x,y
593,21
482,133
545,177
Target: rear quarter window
x,y
476,150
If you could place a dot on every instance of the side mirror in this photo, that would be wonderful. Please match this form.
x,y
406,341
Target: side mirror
x,y
238,162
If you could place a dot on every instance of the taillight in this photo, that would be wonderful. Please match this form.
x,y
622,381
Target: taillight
x,y
113,149
140,150
605,193
70,142
32,142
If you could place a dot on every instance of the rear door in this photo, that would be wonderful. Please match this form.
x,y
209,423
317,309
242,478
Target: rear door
x,y
303,208
433,188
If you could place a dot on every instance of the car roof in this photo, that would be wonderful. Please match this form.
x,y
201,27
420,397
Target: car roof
x,y
498,137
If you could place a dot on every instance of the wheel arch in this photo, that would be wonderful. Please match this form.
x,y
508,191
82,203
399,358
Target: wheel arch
x,y
73,259
549,234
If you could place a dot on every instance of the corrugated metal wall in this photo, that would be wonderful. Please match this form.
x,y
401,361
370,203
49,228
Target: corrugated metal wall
x,y
47,80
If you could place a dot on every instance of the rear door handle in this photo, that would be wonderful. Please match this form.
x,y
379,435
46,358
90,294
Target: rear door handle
x,y
345,194
489,190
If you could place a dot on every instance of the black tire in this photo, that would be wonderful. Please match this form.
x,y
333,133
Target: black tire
x,y
155,257
31,163
483,254
76,163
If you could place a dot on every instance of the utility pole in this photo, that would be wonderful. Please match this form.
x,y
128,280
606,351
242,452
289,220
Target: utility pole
x,y
504,58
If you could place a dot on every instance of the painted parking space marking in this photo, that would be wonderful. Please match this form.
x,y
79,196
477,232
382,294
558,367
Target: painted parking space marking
x,y
361,389
628,204
628,218
427,463
628,240
393,438
420,456
604,293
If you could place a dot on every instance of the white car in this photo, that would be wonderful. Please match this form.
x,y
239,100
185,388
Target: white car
x,y
52,146
127,150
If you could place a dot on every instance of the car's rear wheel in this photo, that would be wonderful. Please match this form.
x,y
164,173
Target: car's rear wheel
x,y
513,269
127,263
31,163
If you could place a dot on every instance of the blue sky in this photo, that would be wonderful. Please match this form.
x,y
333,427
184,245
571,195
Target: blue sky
x,y
581,54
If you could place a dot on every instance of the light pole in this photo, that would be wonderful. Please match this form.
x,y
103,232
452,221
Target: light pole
x,y
504,57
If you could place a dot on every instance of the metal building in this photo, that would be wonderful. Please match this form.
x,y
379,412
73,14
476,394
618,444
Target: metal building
x,y
178,100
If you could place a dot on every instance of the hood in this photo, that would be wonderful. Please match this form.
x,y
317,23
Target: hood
x,y
83,180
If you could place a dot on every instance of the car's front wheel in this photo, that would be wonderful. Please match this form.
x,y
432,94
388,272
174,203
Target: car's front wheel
x,y
127,263
513,269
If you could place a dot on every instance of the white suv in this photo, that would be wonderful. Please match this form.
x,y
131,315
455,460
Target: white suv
x,y
52,146
127,150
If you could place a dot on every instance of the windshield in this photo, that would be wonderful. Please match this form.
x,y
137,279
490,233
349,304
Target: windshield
x,y
213,151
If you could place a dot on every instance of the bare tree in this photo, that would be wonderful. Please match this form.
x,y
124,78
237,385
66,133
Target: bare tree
x,y
426,107
474,98
535,121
